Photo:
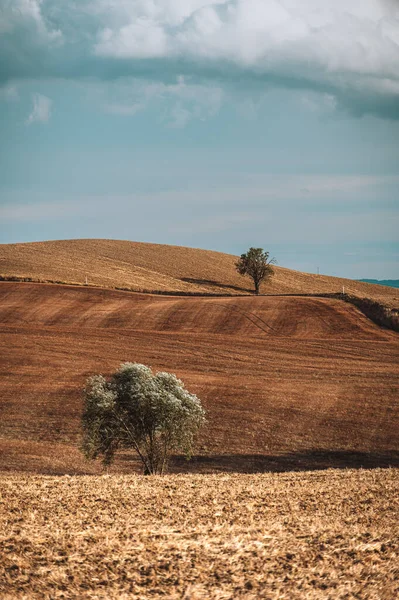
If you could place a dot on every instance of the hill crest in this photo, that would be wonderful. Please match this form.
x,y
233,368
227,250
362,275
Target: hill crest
x,y
146,267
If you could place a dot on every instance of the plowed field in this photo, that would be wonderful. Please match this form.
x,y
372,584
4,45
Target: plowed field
x,y
288,382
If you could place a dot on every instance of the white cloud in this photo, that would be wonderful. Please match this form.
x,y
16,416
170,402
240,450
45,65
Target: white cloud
x,y
178,102
41,110
28,13
361,36
179,116
319,103
346,50
143,39
126,110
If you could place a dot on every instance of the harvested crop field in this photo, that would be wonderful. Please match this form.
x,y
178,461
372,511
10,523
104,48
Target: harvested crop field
x,y
288,383
163,268
315,535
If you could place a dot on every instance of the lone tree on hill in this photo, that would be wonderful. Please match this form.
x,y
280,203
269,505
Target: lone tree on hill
x,y
256,264
152,413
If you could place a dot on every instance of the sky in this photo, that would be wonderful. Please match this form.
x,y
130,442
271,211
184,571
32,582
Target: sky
x,y
217,124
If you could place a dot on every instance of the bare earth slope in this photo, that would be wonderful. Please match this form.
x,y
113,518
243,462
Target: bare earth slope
x,y
156,267
287,382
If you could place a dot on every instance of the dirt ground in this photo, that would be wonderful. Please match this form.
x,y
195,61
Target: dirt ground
x,y
288,383
317,535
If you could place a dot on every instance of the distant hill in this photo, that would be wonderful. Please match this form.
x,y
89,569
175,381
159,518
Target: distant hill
x,y
388,282
162,268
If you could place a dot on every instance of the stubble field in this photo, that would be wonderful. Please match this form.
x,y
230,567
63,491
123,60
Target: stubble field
x,y
331,535
163,268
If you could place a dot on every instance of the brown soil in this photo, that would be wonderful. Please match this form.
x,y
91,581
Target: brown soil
x,y
155,267
288,382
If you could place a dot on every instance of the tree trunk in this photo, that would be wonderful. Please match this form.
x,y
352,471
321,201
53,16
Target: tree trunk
x,y
256,287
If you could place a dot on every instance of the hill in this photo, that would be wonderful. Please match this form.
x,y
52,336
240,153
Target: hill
x,y
162,268
288,382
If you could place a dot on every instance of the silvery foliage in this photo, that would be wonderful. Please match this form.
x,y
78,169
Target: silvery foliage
x,y
152,413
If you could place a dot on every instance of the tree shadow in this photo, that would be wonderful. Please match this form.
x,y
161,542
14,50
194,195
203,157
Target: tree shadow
x,y
216,284
311,460
127,462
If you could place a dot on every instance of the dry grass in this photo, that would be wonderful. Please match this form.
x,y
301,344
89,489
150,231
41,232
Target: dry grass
x,y
331,535
156,267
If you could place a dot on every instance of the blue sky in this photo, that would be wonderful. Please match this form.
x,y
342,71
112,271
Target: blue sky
x,y
218,124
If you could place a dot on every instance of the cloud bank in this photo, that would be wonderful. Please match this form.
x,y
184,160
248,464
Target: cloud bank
x,y
347,50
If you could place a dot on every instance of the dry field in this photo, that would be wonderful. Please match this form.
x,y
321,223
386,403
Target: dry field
x,y
156,267
316,535
288,383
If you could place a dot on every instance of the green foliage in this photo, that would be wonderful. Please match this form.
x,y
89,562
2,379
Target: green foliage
x,y
256,264
152,413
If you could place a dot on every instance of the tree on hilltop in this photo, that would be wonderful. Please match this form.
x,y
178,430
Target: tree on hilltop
x,y
256,264
136,409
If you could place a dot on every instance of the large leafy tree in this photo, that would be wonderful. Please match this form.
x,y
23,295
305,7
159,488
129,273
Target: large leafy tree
x,y
256,264
151,413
